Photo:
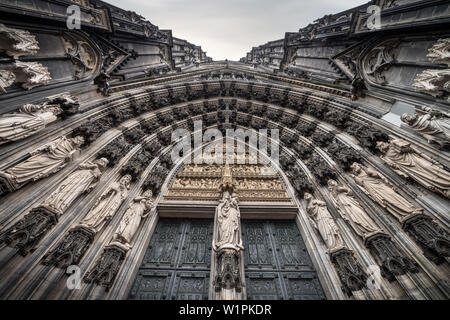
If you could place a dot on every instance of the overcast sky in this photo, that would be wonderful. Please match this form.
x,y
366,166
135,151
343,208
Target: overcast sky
x,y
230,28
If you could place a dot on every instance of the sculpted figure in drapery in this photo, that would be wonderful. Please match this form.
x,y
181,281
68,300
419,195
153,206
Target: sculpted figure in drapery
x,y
81,181
107,205
28,120
379,189
139,209
409,162
433,125
351,211
322,220
43,162
228,219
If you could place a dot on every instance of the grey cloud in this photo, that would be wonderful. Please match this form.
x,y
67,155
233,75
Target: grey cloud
x,y
227,29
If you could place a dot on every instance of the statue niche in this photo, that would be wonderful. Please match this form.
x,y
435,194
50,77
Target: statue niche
x,y
78,240
27,121
81,181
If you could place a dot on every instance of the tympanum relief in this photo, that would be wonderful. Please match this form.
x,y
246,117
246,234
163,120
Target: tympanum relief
x,y
253,182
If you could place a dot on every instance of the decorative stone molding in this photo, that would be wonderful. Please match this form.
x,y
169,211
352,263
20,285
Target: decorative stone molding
x,y
440,52
30,74
28,231
71,249
105,269
434,240
379,60
433,82
392,261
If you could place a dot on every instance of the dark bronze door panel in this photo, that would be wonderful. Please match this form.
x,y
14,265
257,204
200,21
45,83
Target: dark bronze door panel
x,y
277,265
177,262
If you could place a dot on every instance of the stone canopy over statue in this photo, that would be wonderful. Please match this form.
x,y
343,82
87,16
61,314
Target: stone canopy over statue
x,y
433,125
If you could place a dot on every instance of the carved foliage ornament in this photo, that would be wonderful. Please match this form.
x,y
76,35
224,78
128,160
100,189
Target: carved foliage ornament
x,y
16,42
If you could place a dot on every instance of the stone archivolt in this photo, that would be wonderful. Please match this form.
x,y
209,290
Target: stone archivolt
x,y
303,112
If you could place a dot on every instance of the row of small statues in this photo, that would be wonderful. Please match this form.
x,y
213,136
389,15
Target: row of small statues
x,y
241,184
376,187
398,154
82,181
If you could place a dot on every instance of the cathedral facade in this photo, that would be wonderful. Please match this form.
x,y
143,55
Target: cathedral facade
x,y
102,197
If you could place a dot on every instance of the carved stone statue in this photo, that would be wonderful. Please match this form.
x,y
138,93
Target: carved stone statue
x,y
107,205
43,162
324,223
29,120
228,220
434,126
409,162
379,189
351,211
139,209
30,74
81,181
